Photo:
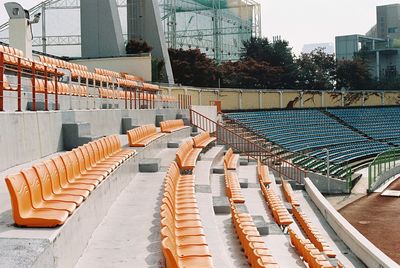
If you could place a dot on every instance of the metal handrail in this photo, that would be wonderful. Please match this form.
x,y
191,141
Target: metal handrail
x,y
246,147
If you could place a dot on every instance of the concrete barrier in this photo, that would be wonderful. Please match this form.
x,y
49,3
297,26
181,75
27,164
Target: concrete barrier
x,y
27,136
367,252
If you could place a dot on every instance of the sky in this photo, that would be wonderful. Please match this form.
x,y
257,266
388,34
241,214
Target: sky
x,y
300,21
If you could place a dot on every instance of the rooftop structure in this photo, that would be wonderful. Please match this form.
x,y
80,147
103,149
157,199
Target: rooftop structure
x,y
381,44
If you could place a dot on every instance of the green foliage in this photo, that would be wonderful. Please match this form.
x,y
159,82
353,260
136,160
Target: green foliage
x,y
137,47
316,70
353,75
193,68
266,65
278,54
249,73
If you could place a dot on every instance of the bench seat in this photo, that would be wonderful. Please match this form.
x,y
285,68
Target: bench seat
x,y
202,140
231,160
142,136
170,126
186,156
263,173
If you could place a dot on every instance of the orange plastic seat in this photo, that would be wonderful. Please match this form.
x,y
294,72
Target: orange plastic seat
x,y
202,140
72,168
38,201
232,187
142,136
263,173
173,260
65,183
186,156
231,160
47,188
23,212
170,126
59,188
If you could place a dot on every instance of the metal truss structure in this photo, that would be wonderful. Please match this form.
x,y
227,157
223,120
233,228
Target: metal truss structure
x,y
216,27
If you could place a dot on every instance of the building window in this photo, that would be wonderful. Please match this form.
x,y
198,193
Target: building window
x,y
392,30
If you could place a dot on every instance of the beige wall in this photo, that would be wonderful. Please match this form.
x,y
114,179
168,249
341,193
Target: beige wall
x,y
231,99
139,66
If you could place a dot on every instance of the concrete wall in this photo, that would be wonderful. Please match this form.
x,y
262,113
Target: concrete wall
x,y
137,65
358,244
333,186
248,99
33,135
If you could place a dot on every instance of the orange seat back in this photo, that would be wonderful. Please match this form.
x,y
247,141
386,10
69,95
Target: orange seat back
x,y
35,190
20,196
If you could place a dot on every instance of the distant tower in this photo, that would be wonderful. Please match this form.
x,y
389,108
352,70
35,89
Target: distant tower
x,y
144,23
101,32
388,21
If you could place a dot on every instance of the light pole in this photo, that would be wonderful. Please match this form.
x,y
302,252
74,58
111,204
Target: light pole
x,y
328,169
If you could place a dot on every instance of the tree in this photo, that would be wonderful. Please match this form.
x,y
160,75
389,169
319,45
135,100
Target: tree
x,y
316,70
193,68
137,47
249,73
354,75
278,54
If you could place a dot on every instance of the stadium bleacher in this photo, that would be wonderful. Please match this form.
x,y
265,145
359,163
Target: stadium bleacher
x,y
348,135
75,191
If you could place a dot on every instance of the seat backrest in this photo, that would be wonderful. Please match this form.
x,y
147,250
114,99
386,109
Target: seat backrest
x,y
81,160
169,251
106,146
75,164
100,151
89,149
86,156
68,164
35,190
20,196
228,155
53,172
61,169
183,151
45,180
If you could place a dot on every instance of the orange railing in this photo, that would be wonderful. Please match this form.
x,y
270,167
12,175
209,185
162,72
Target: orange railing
x,y
246,147
37,80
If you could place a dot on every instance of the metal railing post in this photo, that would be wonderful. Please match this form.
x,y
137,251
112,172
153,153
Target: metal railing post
x,y
19,86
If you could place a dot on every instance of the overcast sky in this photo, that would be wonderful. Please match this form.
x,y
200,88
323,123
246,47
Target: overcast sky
x,y
301,21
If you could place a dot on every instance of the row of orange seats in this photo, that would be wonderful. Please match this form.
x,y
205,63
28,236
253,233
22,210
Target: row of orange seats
x,y
232,187
186,155
142,136
257,253
169,126
203,140
62,63
311,255
183,239
312,233
288,193
45,194
12,55
230,160
263,173
280,213
62,88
